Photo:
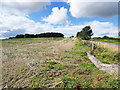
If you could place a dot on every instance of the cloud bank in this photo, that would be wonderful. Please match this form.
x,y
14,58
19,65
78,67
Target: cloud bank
x,y
22,25
14,20
17,7
92,9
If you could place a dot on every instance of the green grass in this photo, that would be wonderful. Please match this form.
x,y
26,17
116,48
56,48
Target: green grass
x,y
52,62
106,56
34,82
107,40
87,75
59,67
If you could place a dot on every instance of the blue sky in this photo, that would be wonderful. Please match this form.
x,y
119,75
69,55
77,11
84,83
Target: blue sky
x,y
65,17
37,16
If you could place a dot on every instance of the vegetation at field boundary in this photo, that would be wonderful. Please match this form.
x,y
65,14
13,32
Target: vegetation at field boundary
x,y
95,78
107,39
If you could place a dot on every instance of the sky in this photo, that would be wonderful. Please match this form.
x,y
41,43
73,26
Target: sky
x,y
65,16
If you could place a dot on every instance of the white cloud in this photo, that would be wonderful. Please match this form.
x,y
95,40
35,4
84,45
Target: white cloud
x,y
103,28
17,7
13,25
57,16
99,29
91,9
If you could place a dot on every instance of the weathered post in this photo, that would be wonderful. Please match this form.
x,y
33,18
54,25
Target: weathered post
x,y
93,47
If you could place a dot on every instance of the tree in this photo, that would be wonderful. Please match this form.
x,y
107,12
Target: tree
x,y
105,37
86,33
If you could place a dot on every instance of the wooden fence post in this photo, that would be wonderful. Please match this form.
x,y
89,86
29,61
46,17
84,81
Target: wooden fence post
x,y
93,47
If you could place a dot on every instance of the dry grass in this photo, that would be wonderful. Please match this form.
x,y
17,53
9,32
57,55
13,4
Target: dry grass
x,y
112,48
0,64
50,62
27,56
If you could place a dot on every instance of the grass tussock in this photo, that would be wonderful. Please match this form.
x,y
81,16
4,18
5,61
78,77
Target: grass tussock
x,y
112,48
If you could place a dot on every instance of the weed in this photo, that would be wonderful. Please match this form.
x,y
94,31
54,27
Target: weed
x,y
59,67
50,66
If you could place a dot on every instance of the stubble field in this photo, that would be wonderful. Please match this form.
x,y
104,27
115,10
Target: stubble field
x,y
50,63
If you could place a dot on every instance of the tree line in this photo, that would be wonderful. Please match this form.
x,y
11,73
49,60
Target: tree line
x,y
106,37
49,34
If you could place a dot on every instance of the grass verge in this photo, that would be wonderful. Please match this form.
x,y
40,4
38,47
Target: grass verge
x,y
87,75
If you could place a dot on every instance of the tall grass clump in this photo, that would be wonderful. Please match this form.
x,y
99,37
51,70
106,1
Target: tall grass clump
x,y
107,54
